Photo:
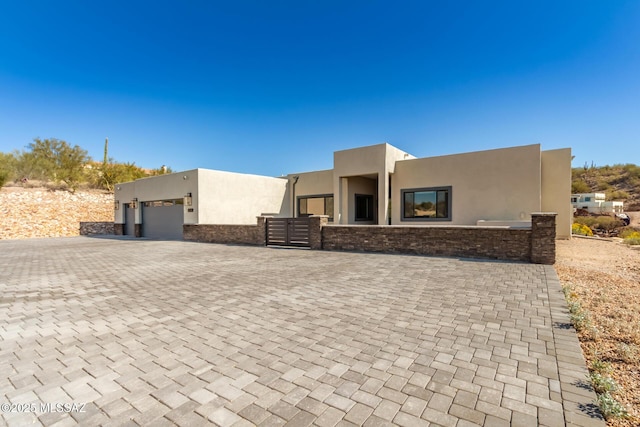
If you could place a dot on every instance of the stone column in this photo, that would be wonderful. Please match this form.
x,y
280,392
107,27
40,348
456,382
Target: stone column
x,y
316,222
543,237
261,233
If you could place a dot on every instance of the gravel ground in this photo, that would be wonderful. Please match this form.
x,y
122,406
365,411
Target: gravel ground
x,y
604,276
38,212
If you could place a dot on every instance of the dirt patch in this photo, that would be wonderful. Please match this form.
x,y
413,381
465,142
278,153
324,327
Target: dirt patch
x,y
38,212
604,276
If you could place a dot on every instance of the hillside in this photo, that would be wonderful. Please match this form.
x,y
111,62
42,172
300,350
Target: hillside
x,y
618,182
38,212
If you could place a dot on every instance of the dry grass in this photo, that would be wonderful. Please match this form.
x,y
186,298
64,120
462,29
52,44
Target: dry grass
x,y
604,277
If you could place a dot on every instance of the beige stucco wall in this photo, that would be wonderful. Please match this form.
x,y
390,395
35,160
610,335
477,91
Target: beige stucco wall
x,y
374,161
502,184
217,197
309,184
556,188
235,198
162,187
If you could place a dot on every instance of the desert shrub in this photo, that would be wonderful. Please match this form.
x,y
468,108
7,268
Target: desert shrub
x,y
7,167
4,177
579,186
632,238
628,353
589,221
606,223
581,229
610,407
600,367
627,231
617,195
603,186
602,383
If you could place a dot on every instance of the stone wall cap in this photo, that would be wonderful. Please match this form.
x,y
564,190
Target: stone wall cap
x,y
469,227
544,213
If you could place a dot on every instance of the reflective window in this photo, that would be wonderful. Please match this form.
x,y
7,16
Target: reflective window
x,y
316,205
427,203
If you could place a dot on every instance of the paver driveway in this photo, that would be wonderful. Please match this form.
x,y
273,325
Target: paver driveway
x,y
164,333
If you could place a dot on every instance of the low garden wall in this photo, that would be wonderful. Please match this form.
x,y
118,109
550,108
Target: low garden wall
x,y
92,228
535,244
467,242
230,233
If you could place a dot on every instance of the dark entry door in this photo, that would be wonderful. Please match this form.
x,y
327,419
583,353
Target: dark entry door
x,y
129,220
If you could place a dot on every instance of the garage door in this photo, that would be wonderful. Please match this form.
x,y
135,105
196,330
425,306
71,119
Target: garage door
x,y
163,219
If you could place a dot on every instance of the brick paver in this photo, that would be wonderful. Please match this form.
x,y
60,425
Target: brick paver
x,y
143,332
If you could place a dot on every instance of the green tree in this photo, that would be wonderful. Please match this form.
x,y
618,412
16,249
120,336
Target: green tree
x,y
7,167
113,173
54,160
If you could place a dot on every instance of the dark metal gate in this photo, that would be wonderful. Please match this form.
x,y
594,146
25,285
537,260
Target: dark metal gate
x,y
288,231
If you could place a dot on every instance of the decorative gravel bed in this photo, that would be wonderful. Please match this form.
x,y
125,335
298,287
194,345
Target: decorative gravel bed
x,y
603,276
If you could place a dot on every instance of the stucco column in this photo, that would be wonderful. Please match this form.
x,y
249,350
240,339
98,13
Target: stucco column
x,y
543,237
383,197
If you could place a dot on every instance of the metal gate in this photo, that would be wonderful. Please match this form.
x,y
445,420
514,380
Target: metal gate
x,y
288,231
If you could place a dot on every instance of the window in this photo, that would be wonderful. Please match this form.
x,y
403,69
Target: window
x,y
316,205
587,199
160,203
427,204
364,207
574,200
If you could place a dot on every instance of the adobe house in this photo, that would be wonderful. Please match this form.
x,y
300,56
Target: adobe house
x,y
373,185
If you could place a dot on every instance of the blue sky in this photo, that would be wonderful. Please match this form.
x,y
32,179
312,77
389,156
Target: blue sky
x,y
275,87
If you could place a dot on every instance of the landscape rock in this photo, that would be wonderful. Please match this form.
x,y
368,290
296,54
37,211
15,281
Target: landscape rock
x,y
38,212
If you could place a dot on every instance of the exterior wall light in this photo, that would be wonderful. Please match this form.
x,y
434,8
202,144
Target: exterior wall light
x,y
134,203
116,205
188,200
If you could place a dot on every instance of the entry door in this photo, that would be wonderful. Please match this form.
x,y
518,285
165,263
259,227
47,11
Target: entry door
x,y
129,220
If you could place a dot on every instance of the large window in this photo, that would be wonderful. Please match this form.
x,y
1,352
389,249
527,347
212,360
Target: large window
x,y
316,205
364,207
427,204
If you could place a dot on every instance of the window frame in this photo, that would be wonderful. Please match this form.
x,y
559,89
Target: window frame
x,y
314,196
369,198
447,188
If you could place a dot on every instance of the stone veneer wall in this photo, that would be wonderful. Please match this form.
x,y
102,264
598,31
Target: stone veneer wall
x,y
543,238
226,233
536,245
467,242
89,228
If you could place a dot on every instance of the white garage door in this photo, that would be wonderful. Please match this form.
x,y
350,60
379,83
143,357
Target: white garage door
x,y
163,219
